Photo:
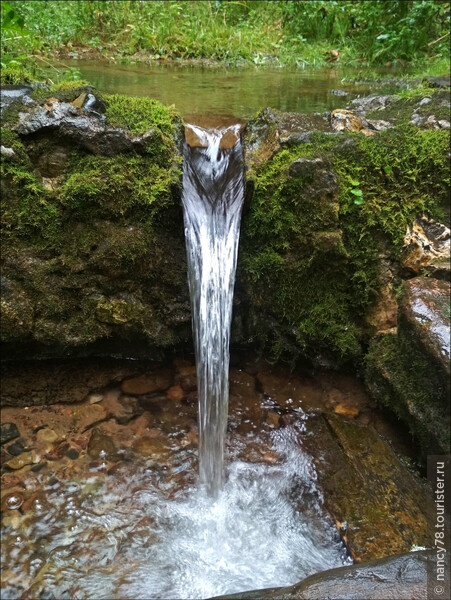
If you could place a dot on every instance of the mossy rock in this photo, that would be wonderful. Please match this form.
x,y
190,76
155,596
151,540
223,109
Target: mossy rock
x,y
408,372
311,256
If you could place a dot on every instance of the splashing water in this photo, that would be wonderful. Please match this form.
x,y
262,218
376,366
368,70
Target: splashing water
x,y
212,197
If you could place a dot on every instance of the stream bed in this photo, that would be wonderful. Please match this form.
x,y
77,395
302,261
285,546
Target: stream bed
x,y
99,486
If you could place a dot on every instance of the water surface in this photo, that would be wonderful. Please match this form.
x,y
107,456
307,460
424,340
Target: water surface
x,y
228,92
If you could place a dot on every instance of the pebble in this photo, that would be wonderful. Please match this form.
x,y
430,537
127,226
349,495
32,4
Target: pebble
x,y
47,435
148,383
152,448
72,454
347,411
88,415
94,398
26,458
58,452
101,446
122,409
8,431
175,393
273,419
17,447
271,457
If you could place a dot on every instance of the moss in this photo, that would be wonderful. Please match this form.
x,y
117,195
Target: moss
x,y
403,379
407,101
116,187
28,209
318,293
140,115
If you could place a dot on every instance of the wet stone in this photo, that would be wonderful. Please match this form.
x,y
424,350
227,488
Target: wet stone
x,y
26,458
86,416
121,408
101,446
8,431
58,452
175,393
152,448
47,435
347,411
72,454
148,383
17,447
241,383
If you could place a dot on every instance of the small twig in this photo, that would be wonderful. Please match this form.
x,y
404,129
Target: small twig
x,y
437,40
50,64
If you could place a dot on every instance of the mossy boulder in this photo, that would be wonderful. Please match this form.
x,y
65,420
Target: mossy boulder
x,y
93,228
408,372
93,233
323,234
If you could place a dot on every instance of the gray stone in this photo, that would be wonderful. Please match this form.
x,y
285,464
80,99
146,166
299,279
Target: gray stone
x,y
401,577
8,432
438,82
86,128
425,308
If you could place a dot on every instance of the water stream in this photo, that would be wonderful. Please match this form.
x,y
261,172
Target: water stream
x,y
212,197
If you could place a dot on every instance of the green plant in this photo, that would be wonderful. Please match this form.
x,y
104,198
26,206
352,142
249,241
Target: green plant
x,y
356,191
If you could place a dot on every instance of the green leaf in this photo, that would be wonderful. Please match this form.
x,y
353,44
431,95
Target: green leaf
x,y
388,169
357,192
358,200
354,182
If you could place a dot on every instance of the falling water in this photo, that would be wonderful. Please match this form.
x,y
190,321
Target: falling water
x,y
212,197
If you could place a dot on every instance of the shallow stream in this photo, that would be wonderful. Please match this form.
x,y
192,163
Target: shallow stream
x,y
225,95
100,498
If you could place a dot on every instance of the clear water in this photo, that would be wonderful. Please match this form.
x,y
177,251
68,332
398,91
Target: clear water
x,y
132,532
226,94
212,198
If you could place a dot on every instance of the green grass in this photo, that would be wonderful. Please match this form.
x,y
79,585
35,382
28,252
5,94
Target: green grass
x,y
412,33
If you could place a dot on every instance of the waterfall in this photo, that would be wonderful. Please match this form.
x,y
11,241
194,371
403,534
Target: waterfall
x,y
212,198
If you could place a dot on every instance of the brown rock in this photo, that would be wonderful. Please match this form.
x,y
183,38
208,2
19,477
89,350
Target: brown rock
x,y
26,458
366,485
383,317
347,411
47,436
58,452
101,446
175,393
187,378
425,242
273,419
288,419
345,120
425,308
10,480
86,416
147,383
121,408
271,457
195,139
143,423
80,100
153,448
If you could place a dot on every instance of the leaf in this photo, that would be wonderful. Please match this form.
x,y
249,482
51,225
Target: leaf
x,y
388,169
357,192
354,182
358,200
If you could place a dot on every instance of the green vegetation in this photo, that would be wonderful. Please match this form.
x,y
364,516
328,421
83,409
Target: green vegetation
x,y
408,383
314,257
291,32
